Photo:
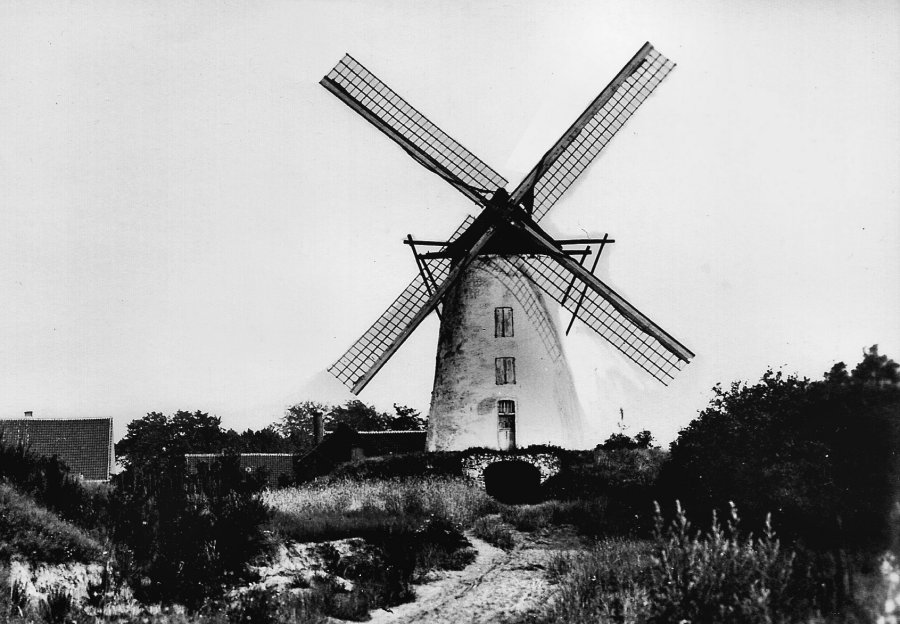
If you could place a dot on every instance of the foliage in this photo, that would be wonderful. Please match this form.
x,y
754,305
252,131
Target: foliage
x,y
184,536
605,584
412,526
156,435
610,495
820,455
720,576
48,481
262,605
401,466
266,440
35,533
382,574
533,517
622,441
494,531
679,576
297,422
335,509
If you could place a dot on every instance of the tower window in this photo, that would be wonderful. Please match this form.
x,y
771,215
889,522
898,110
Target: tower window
x,y
503,322
505,368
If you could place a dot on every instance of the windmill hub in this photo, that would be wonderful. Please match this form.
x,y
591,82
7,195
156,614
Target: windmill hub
x,y
501,378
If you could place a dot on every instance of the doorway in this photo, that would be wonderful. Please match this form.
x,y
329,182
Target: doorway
x,y
506,424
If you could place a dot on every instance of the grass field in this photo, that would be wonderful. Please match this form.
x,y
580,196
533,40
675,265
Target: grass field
x,y
347,508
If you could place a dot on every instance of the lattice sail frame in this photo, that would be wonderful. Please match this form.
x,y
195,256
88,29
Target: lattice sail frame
x,y
552,176
422,139
369,347
601,127
600,315
591,132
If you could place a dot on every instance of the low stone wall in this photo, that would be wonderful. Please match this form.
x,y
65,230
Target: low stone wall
x,y
473,466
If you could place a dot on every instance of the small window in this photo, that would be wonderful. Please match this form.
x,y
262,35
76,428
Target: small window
x,y
503,322
505,370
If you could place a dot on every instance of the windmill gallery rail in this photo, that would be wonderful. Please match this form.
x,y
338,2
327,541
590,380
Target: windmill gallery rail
x,y
503,259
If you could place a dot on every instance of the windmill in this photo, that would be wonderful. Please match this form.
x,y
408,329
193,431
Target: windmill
x,y
500,376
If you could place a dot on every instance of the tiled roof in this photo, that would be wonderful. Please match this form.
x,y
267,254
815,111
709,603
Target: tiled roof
x,y
277,464
84,444
387,442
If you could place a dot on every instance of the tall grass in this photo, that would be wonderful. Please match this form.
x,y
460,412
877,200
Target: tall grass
x,y
680,575
348,508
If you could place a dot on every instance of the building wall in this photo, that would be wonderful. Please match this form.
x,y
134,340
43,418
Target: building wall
x,y
464,399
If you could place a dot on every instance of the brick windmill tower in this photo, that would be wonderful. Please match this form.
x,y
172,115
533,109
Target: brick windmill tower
x,y
501,378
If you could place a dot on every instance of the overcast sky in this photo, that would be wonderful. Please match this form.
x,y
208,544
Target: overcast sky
x,y
189,221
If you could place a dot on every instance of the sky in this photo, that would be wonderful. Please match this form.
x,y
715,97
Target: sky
x,y
188,220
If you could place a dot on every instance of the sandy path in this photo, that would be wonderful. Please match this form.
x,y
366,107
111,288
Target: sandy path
x,y
497,584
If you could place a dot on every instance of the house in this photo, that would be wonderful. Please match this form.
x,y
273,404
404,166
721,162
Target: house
x,y
84,444
279,467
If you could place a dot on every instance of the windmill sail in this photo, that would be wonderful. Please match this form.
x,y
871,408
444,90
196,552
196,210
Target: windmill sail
x,y
601,308
368,348
390,332
580,144
423,140
659,359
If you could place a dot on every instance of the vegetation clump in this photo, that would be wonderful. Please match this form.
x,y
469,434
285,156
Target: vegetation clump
x,y
494,531
34,533
679,575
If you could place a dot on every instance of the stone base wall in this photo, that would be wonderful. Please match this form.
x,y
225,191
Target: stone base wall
x,y
474,465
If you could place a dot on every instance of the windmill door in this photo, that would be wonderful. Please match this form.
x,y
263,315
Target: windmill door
x,y
506,424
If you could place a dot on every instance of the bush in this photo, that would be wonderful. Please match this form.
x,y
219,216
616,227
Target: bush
x,y
400,466
821,455
186,538
681,575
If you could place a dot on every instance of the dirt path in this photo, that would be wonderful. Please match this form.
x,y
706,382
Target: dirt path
x,y
496,585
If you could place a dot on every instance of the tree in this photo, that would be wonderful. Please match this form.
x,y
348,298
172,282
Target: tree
x,y
644,439
267,440
297,423
876,369
623,441
819,455
407,419
358,416
155,436
185,538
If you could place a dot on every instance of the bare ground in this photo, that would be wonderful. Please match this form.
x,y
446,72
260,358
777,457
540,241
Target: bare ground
x,y
496,586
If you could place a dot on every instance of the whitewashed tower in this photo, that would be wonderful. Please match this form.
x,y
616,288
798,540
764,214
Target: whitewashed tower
x,y
501,379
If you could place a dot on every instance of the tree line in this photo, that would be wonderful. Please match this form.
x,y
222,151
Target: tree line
x,y
199,432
